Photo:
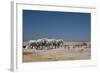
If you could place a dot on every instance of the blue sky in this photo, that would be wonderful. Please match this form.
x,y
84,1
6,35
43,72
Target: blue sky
x,y
59,25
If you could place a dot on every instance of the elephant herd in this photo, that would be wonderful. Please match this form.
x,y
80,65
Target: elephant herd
x,y
44,44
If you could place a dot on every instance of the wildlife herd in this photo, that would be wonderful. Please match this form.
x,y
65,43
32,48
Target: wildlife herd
x,y
54,50
44,43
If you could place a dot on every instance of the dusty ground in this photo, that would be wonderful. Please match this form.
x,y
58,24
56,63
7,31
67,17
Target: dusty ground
x,y
30,55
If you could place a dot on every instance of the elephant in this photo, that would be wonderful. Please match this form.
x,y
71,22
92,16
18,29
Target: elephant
x,y
45,43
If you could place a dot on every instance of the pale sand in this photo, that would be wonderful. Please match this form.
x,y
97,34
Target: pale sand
x,y
59,54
